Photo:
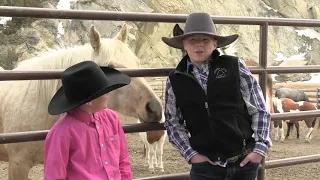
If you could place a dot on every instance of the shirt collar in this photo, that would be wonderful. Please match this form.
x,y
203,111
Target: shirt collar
x,y
190,65
82,115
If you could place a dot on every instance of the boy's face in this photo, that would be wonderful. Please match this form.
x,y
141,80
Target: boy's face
x,y
99,103
199,47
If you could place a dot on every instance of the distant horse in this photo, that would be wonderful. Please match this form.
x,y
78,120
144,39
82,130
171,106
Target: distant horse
x,y
153,145
294,94
24,103
278,124
288,105
178,31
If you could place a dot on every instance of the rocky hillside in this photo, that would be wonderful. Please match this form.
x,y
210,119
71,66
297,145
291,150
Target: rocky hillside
x,y
23,38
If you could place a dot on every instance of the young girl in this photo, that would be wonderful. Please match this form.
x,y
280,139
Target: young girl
x,y
87,142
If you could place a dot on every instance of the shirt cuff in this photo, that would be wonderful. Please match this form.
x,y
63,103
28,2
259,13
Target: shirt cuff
x,y
189,153
261,148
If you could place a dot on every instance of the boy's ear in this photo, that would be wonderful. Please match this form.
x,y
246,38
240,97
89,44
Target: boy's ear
x,y
88,103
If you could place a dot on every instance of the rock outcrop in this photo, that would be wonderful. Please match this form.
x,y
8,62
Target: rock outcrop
x,y
23,38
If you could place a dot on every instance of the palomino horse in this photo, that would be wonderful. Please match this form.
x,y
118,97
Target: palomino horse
x,y
178,31
288,105
153,145
24,103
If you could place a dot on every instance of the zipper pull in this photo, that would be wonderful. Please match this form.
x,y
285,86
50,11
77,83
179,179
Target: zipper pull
x,y
207,108
244,147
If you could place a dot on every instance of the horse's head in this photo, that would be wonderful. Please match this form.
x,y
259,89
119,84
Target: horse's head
x,y
136,99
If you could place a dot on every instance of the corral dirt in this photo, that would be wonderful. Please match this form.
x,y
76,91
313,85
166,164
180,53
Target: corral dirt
x,y
174,163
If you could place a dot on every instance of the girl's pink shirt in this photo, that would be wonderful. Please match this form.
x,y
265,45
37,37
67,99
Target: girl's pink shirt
x,y
87,146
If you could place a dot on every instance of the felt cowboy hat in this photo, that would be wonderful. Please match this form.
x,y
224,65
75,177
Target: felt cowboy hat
x,y
199,23
84,82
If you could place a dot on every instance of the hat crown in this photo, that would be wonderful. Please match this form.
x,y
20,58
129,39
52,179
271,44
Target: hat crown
x,y
199,22
83,80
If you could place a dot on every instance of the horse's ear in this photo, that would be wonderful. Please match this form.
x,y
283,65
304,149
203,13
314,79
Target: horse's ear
x,y
123,34
177,31
94,38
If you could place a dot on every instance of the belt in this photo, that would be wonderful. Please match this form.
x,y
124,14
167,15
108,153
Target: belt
x,y
234,159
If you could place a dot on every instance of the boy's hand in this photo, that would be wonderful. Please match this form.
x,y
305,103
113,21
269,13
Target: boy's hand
x,y
252,157
201,158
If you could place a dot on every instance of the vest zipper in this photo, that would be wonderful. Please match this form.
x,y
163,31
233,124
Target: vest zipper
x,y
205,95
207,108
244,150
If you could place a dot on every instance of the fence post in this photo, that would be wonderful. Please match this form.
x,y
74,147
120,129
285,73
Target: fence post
x,y
318,98
162,89
263,54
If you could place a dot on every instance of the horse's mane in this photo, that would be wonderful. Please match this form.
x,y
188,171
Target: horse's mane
x,y
59,58
63,58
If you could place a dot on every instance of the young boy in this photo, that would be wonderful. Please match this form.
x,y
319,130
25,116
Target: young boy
x,y
214,105
87,142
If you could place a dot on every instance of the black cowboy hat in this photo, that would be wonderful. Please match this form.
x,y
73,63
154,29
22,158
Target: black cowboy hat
x,y
84,82
199,23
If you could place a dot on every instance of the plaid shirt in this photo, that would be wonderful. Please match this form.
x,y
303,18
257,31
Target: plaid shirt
x,y
253,98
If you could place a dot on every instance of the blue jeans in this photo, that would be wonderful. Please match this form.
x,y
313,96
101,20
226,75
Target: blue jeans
x,y
233,171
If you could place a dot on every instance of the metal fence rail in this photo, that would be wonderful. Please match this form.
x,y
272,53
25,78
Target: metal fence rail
x,y
15,137
148,72
262,69
146,17
268,165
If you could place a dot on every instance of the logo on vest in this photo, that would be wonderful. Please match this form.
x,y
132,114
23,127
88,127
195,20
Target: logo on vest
x,y
220,73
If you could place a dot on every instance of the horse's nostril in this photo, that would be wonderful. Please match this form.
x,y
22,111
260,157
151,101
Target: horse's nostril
x,y
148,108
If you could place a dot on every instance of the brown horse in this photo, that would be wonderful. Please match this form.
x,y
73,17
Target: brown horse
x,y
278,124
153,147
288,105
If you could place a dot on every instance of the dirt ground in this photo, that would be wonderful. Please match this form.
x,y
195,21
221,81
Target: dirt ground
x,y
174,163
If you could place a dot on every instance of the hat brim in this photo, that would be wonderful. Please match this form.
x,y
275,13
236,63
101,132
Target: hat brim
x,y
60,104
177,41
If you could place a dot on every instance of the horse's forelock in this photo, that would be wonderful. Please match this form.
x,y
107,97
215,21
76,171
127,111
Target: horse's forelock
x,y
116,53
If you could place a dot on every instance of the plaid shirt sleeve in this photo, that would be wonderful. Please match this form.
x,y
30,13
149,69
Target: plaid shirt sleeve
x,y
253,97
177,133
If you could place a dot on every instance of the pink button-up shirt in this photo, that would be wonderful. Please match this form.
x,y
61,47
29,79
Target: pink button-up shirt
x,y
83,146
